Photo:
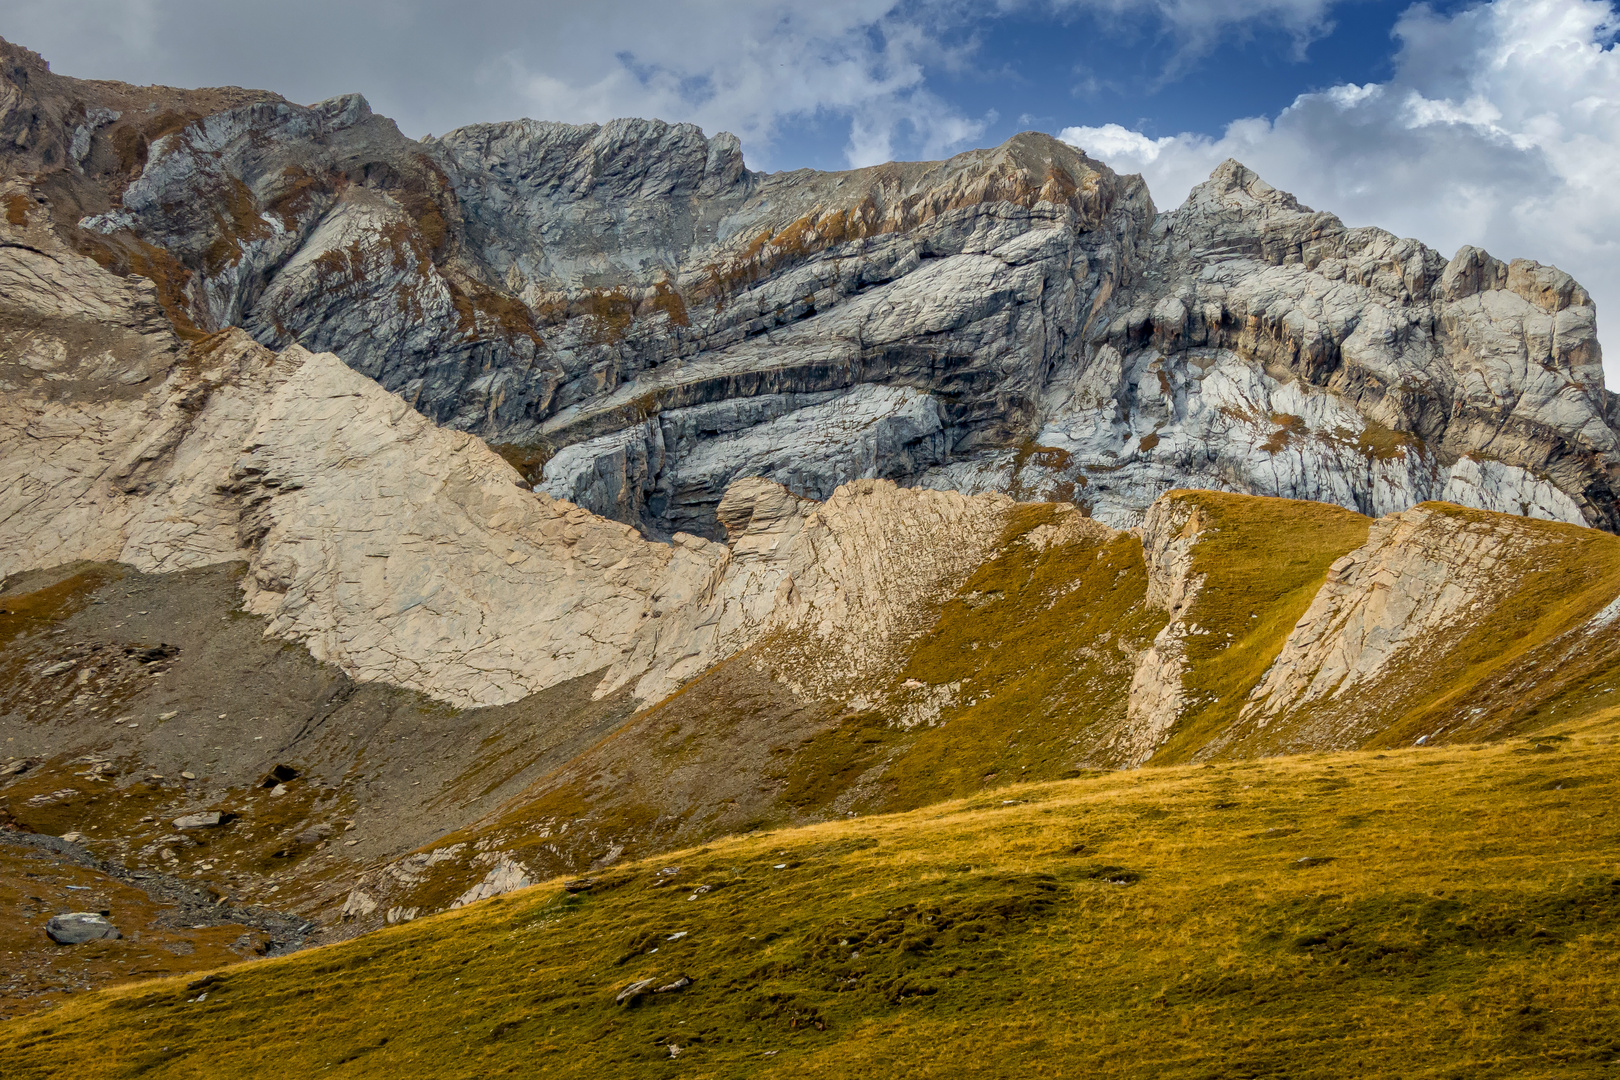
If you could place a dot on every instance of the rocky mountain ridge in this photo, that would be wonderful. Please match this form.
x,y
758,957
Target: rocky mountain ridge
x,y
879,649
638,319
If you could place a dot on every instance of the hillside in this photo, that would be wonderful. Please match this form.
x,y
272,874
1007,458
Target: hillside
x,y
883,651
1420,912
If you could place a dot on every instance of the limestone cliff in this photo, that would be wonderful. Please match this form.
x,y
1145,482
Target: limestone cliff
x,y
641,319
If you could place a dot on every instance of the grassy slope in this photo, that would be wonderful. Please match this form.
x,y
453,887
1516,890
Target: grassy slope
x,y
1263,562
1041,642
1518,663
1457,914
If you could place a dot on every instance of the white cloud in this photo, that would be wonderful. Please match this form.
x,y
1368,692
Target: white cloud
x,y
1198,25
1500,127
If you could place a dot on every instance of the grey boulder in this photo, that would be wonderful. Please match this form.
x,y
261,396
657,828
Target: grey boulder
x,y
78,927
205,820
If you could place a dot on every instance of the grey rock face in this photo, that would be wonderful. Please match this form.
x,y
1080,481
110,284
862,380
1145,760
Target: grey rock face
x,y
675,468
1268,349
78,927
631,305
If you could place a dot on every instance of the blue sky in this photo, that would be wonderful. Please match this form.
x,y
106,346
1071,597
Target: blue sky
x,y
1490,122
1039,69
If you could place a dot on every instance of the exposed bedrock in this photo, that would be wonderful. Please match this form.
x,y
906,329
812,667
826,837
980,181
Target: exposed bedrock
x,y
641,319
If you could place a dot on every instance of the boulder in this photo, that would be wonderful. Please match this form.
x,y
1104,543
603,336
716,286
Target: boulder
x,y
77,927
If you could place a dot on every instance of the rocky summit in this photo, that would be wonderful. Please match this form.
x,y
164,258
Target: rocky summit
x,y
792,621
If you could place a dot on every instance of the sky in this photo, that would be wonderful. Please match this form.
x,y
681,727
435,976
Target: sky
x,y
1493,123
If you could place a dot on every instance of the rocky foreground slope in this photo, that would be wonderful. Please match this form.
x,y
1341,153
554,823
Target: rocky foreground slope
x,y
642,320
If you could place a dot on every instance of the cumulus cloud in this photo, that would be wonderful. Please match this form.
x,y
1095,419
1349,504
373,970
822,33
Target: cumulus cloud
x,y
1500,127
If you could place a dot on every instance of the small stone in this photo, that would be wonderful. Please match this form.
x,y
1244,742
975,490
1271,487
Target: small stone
x,y
205,820
582,885
168,715
634,990
58,668
279,789
77,927
188,776
14,768
681,983
73,837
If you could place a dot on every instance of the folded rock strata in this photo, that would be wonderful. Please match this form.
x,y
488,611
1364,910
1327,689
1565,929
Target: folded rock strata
x,y
643,320
409,553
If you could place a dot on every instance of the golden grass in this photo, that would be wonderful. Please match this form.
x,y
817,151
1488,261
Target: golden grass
x,y
1040,641
1421,913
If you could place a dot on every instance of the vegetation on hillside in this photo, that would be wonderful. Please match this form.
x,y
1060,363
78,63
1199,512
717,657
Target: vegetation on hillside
x,y
1425,912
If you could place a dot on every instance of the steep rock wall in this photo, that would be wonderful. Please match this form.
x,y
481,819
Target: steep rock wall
x,y
643,320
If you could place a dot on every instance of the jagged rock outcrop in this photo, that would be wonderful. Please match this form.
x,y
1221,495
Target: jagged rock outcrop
x,y
1433,591
1420,577
396,549
1271,350
642,319
1170,530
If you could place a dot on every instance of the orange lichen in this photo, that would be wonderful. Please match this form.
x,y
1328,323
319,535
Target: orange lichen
x,y
668,300
1288,425
612,311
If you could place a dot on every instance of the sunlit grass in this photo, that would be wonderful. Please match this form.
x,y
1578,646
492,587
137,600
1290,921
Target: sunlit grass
x,y
1448,912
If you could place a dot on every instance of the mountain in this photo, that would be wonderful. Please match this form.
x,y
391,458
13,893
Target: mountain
x,y
639,319
388,526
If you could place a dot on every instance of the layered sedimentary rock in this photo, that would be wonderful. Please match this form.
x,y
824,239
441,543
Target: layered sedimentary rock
x,y
401,551
642,319
880,648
